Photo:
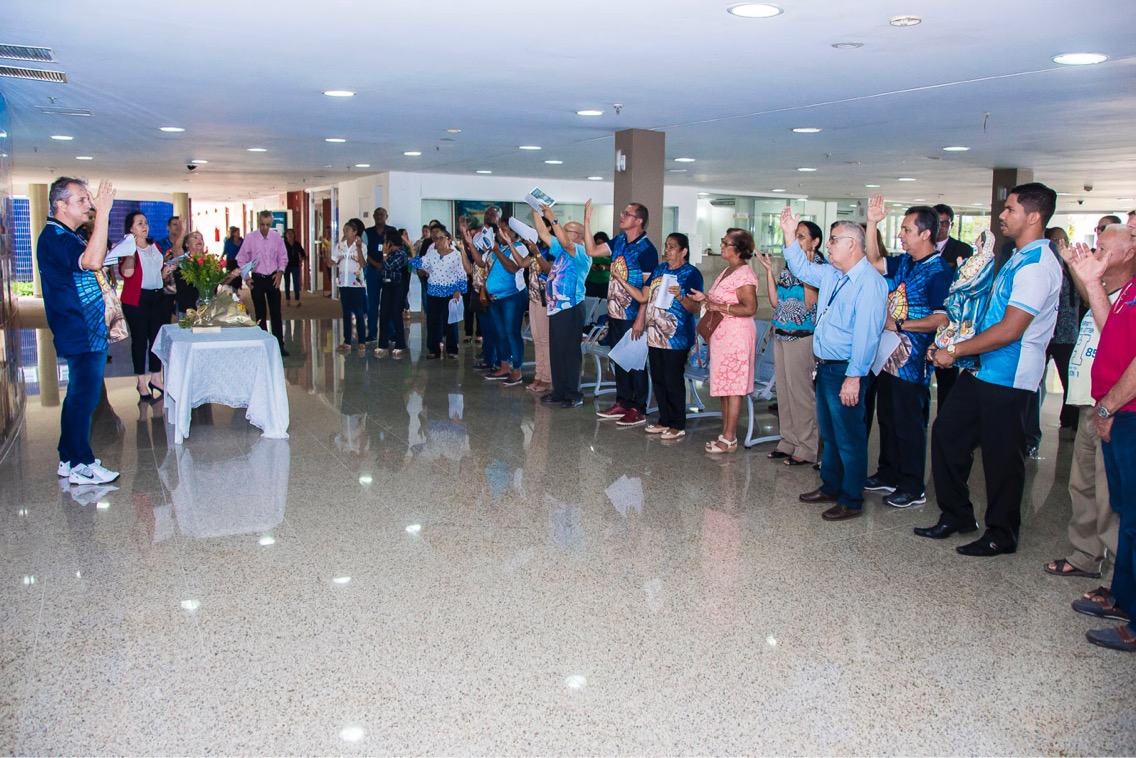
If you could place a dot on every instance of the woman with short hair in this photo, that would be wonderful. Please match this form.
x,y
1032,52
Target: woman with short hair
x,y
349,257
447,272
144,277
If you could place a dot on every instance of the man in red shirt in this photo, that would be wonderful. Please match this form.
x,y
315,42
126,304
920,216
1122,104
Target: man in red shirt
x,y
1114,390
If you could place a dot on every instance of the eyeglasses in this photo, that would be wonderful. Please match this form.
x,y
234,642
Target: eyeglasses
x,y
840,237
1101,228
627,214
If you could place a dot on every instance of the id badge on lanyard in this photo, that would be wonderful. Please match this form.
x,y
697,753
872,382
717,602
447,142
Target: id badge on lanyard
x,y
828,305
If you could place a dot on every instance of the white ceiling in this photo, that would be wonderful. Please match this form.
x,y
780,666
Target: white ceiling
x,y
726,91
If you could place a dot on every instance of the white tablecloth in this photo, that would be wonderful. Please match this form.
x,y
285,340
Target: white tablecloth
x,y
239,367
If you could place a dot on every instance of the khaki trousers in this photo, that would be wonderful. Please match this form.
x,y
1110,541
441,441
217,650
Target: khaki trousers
x,y
796,398
538,325
1093,526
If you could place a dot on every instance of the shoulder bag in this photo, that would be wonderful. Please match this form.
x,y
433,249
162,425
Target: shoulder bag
x,y
112,309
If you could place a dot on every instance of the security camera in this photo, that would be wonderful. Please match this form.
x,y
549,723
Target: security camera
x,y
1080,202
1088,188
190,167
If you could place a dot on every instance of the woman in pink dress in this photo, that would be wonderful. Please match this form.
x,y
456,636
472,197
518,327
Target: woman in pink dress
x,y
733,343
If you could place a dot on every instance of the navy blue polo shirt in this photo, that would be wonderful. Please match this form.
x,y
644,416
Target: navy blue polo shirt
x,y
72,298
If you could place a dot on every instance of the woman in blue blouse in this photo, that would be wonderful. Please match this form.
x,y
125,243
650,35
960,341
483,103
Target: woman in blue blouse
x,y
447,273
670,318
794,318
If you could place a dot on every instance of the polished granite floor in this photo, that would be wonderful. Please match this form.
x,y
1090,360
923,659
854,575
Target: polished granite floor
x,y
434,564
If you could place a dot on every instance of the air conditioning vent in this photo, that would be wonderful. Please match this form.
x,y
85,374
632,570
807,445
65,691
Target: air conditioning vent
x,y
56,110
35,74
25,53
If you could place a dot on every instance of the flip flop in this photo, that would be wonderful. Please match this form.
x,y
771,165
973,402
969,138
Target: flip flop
x,y
1058,569
795,462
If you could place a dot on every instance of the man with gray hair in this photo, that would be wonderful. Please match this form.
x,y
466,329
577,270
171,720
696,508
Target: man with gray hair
x,y
267,248
851,310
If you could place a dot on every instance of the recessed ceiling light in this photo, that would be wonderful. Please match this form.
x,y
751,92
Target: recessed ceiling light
x,y
554,163
905,20
484,171
871,186
1125,200
199,161
529,147
684,160
806,169
339,93
1079,59
777,190
257,149
676,170
334,139
806,130
847,45
955,149
362,165
84,158
704,194
918,199
589,112
979,205
171,129
412,153
62,137
905,179
453,131
595,178
754,10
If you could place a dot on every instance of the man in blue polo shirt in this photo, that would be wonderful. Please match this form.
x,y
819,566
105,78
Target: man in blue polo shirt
x,y
920,280
73,304
633,257
987,407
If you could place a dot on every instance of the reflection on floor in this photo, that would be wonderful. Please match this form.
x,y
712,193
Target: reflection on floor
x,y
433,563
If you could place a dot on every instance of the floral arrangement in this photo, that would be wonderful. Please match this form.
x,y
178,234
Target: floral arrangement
x,y
204,272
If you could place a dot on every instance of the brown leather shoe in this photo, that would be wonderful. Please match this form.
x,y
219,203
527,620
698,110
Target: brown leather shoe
x,y
840,512
817,496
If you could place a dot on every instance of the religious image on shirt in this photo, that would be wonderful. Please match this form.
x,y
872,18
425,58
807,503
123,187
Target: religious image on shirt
x,y
618,299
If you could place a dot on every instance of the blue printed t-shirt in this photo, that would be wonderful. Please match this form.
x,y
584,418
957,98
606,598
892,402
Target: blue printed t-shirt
x,y
1030,281
918,290
501,282
790,314
672,328
629,260
72,298
566,279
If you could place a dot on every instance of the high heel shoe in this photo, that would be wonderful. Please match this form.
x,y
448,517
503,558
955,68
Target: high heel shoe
x,y
160,392
144,398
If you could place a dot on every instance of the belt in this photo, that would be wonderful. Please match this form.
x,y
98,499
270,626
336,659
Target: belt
x,y
156,289
789,333
265,276
825,362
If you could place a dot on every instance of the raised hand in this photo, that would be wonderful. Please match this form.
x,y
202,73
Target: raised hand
x,y
103,199
588,209
877,210
789,224
1087,265
765,260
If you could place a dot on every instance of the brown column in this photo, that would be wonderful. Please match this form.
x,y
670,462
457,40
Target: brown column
x,y
1004,180
47,368
38,210
643,155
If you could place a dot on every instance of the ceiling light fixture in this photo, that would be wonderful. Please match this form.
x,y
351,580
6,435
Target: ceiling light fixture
x,y
595,178
453,131
199,161
777,190
171,129
84,158
847,45
554,163
755,10
676,170
806,169
955,149
806,130
528,147
412,153
362,165
339,93
335,140
684,160
1079,59
871,186
484,171
589,112
906,20
62,137
905,179
257,149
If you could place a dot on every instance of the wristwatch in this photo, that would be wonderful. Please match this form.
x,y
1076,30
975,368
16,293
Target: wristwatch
x,y
951,350
1103,412
899,324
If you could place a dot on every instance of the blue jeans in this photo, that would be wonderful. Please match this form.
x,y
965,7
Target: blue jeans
x,y
1120,467
844,463
506,314
354,303
292,283
84,388
490,355
374,289
391,328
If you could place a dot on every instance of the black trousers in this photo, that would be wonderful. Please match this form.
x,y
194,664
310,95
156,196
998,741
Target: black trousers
x,y
564,357
979,413
437,314
1062,353
266,297
902,409
630,386
945,378
667,368
144,321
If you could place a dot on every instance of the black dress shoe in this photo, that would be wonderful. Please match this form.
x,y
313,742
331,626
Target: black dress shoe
x,y
941,531
817,496
841,512
572,403
984,548
550,399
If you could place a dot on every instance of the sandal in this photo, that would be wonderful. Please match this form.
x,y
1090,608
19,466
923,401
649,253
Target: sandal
x,y
674,434
795,462
722,445
777,455
1121,638
656,429
1101,604
1062,567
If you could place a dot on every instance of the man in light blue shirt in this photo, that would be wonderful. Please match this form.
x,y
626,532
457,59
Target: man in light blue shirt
x,y
851,310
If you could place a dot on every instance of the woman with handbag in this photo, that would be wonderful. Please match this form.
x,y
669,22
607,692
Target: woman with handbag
x,y
734,339
669,321
144,277
794,318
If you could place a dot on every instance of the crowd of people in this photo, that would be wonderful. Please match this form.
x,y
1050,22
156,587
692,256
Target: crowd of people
x,y
858,336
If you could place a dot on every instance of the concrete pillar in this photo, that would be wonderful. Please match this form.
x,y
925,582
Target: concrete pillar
x,y
640,156
1004,180
181,207
47,368
38,211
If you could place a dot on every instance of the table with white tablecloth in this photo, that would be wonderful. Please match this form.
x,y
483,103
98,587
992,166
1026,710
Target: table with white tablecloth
x,y
237,366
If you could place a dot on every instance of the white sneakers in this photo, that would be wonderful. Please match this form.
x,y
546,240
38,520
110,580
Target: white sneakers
x,y
95,473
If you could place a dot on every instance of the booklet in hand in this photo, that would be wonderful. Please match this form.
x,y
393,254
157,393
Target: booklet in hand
x,y
245,269
537,198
